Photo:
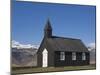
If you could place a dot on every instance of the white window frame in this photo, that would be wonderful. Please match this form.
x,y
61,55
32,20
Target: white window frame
x,y
83,56
73,55
62,55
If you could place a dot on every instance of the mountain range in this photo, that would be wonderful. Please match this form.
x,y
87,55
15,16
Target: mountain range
x,y
24,57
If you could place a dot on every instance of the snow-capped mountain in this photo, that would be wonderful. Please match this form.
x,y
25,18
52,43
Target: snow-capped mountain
x,y
24,55
16,44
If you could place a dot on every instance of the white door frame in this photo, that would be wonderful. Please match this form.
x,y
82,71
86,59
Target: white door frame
x,y
45,58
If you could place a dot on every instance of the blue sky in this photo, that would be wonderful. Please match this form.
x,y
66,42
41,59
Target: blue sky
x,y
29,19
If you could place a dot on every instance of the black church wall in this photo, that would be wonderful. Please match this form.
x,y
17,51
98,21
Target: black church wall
x,y
68,59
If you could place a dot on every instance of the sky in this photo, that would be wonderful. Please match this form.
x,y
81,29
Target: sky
x,y
28,20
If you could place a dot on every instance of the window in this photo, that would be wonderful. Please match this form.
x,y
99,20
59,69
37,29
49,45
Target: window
x,y
73,56
62,55
83,56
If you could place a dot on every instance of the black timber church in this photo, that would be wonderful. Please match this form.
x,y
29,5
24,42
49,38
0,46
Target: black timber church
x,y
60,51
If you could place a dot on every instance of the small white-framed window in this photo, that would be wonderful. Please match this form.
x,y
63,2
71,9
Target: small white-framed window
x,y
83,56
73,56
62,55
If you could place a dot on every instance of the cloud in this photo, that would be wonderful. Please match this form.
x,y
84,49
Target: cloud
x,y
91,46
16,44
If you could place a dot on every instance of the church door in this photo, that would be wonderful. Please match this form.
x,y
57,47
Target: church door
x,y
45,58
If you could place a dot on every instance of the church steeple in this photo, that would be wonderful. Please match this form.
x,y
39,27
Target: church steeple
x,y
48,29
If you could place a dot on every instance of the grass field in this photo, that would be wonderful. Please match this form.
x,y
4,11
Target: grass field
x,y
22,70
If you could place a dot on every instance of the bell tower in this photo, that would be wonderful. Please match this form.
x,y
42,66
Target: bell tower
x,y
48,30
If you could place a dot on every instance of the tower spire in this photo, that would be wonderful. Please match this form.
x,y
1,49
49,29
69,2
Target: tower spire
x,y
48,29
48,25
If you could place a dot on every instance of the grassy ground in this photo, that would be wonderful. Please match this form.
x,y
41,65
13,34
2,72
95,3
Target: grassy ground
x,y
50,69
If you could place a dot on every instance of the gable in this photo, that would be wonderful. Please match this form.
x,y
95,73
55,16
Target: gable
x,y
44,45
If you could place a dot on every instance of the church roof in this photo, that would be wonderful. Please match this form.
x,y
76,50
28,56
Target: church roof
x,y
66,44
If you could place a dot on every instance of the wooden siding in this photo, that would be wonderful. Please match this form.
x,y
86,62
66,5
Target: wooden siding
x,y
68,59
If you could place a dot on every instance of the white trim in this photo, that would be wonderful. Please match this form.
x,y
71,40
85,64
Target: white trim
x,y
73,56
62,55
83,56
45,58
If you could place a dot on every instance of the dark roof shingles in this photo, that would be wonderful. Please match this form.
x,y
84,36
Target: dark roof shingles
x,y
66,44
